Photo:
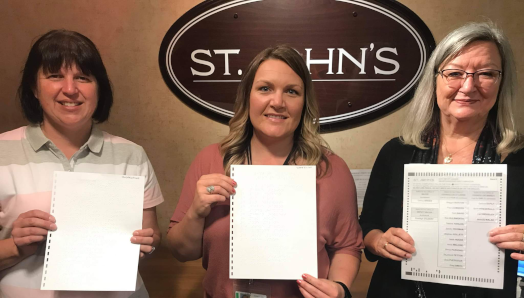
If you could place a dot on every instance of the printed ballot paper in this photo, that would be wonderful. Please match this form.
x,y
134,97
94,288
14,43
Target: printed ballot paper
x,y
273,225
449,210
361,178
96,215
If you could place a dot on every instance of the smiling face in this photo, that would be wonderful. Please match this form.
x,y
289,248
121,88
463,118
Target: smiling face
x,y
470,100
276,100
68,97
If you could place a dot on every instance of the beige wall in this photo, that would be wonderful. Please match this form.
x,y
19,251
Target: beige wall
x,y
128,34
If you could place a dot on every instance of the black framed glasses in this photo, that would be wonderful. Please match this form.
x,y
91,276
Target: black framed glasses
x,y
483,77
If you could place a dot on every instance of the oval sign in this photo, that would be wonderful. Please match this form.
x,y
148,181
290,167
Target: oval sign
x,y
364,56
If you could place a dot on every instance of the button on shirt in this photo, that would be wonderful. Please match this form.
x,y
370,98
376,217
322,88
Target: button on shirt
x,y
27,162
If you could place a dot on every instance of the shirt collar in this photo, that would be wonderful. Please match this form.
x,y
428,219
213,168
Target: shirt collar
x,y
96,140
35,136
37,139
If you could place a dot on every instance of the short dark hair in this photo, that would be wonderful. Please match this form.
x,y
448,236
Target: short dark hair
x,y
50,52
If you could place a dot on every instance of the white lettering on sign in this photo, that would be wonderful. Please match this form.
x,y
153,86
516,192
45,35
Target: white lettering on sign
x,y
360,65
209,64
387,60
203,62
329,61
226,58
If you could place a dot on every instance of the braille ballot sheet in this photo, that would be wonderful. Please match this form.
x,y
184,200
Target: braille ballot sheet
x,y
273,222
96,215
449,211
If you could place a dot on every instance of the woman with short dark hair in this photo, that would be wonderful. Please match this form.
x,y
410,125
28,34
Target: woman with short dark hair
x,y
64,91
50,53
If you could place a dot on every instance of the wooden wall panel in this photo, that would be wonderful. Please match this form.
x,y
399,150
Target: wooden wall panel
x,y
128,34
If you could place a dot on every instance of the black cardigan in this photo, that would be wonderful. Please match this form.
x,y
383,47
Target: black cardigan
x,y
383,210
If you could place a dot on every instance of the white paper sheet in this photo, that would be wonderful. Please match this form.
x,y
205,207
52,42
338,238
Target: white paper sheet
x,y
96,215
361,177
449,210
273,232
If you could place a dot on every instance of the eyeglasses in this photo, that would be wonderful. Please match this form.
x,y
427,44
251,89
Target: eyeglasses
x,y
483,77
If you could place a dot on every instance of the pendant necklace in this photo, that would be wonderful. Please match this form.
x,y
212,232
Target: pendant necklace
x,y
449,158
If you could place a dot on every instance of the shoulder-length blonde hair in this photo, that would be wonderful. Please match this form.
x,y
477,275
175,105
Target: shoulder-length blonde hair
x,y
424,114
309,145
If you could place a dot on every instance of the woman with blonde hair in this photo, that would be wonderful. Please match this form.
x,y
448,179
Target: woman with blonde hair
x,y
275,123
462,113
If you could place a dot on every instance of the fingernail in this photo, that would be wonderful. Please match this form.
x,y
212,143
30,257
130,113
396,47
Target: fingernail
x,y
304,276
134,238
407,256
53,227
52,219
299,281
135,233
234,191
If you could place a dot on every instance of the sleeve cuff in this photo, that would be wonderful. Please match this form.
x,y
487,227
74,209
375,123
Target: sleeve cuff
x,y
154,202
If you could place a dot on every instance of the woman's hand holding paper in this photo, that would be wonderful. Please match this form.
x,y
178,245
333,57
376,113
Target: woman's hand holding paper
x,y
30,228
211,189
312,287
395,244
145,238
149,236
185,238
509,237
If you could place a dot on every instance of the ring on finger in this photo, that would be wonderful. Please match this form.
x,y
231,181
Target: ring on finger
x,y
386,245
210,189
152,250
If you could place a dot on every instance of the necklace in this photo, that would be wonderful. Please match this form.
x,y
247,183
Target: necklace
x,y
449,158
286,162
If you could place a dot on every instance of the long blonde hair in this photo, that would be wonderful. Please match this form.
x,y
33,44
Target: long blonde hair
x,y
424,113
308,144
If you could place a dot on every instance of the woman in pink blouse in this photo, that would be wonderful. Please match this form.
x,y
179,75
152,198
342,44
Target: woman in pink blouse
x,y
275,123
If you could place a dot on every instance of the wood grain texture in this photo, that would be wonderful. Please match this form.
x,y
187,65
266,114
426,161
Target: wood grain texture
x,y
128,35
